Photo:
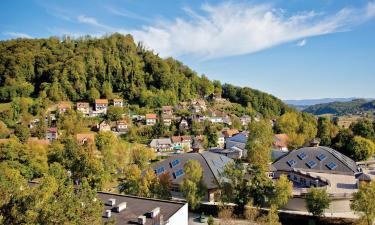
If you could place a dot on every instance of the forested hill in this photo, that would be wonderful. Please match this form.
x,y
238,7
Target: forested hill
x,y
89,68
341,108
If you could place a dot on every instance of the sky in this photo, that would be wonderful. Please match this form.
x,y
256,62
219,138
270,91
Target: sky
x,y
295,49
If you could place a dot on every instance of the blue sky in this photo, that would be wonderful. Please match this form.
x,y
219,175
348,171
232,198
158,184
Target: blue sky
x,y
293,49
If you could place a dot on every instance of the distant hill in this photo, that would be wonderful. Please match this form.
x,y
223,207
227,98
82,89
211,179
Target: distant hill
x,y
356,106
308,102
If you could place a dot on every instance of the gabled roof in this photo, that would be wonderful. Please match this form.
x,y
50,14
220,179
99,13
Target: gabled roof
x,y
101,101
83,105
151,116
117,100
161,141
212,164
321,156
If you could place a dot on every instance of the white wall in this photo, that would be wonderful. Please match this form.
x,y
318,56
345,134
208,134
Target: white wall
x,y
180,217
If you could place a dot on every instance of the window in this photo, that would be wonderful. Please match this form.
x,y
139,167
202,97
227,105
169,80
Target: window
x,y
311,164
178,173
302,155
291,162
331,165
321,157
174,163
159,170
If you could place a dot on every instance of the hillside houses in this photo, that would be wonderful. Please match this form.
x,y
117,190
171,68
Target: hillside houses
x,y
151,119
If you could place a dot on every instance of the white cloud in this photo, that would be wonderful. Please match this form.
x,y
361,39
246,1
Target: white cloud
x,y
16,34
91,21
230,29
301,43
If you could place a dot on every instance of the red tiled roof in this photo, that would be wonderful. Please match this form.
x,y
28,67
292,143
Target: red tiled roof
x,y
52,129
101,101
151,116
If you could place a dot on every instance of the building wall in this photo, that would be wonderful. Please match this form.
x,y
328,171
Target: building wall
x,y
180,217
337,205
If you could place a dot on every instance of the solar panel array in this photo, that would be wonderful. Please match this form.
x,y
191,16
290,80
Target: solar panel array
x,y
321,157
302,156
291,162
311,164
159,170
178,173
174,163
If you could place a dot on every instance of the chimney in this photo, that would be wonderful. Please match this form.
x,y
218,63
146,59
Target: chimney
x,y
141,219
111,202
314,142
107,213
120,207
155,212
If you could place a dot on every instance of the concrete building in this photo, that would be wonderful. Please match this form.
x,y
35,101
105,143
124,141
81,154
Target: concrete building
x,y
212,164
320,167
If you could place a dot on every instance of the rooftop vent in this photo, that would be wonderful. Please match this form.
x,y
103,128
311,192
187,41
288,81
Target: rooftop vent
x,y
107,213
111,202
314,142
120,207
155,212
141,219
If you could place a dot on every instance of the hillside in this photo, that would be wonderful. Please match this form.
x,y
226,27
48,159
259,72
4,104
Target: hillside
x,y
308,102
357,106
112,66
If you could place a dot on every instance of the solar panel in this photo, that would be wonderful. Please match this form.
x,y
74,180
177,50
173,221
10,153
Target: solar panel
x,y
291,162
159,170
174,163
302,155
311,164
321,157
178,173
331,165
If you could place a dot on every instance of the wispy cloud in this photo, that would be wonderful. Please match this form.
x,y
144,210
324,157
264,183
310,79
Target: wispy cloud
x,y
230,29
301,43
91,21
128,14
16,34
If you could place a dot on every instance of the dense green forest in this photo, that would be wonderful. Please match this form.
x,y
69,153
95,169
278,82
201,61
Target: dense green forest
x,y
342,108
89,68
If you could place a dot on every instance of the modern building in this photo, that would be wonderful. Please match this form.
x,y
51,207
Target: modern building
x,y
320,167
213,166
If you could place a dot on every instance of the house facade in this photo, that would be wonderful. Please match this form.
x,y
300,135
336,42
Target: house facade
x,y
119,102
52,134
151,119
122,126
101,105
83,107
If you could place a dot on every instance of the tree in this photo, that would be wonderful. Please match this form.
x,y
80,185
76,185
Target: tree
x,y
326,131
342,140
93,94
361,148
210,220
22,132
211,134
283,192
363,202
272,218
114,113
4,131
364,128
259,144
317,200
192,186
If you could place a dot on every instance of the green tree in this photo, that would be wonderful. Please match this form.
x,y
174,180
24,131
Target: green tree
x,y
363,202
364,128
210,220
326,131
259,143
22,132
361,148
93,94
192,186
317,200
283,192
114,113
272,217
211,134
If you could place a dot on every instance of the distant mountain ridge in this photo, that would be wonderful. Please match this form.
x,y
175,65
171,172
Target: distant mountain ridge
x,y
356,106
308,102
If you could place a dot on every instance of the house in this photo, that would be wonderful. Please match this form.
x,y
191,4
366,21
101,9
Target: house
x,y
280,142
83,107
216,119
167,110
151,119
104,126
119,102
197,106
212,164
221,140
161,144
245,120
101,105
184,124
122,126
84,138
230,132
321,167
167,119
239,140
121,209
182,142
64,106
197,145
51,134
227,120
